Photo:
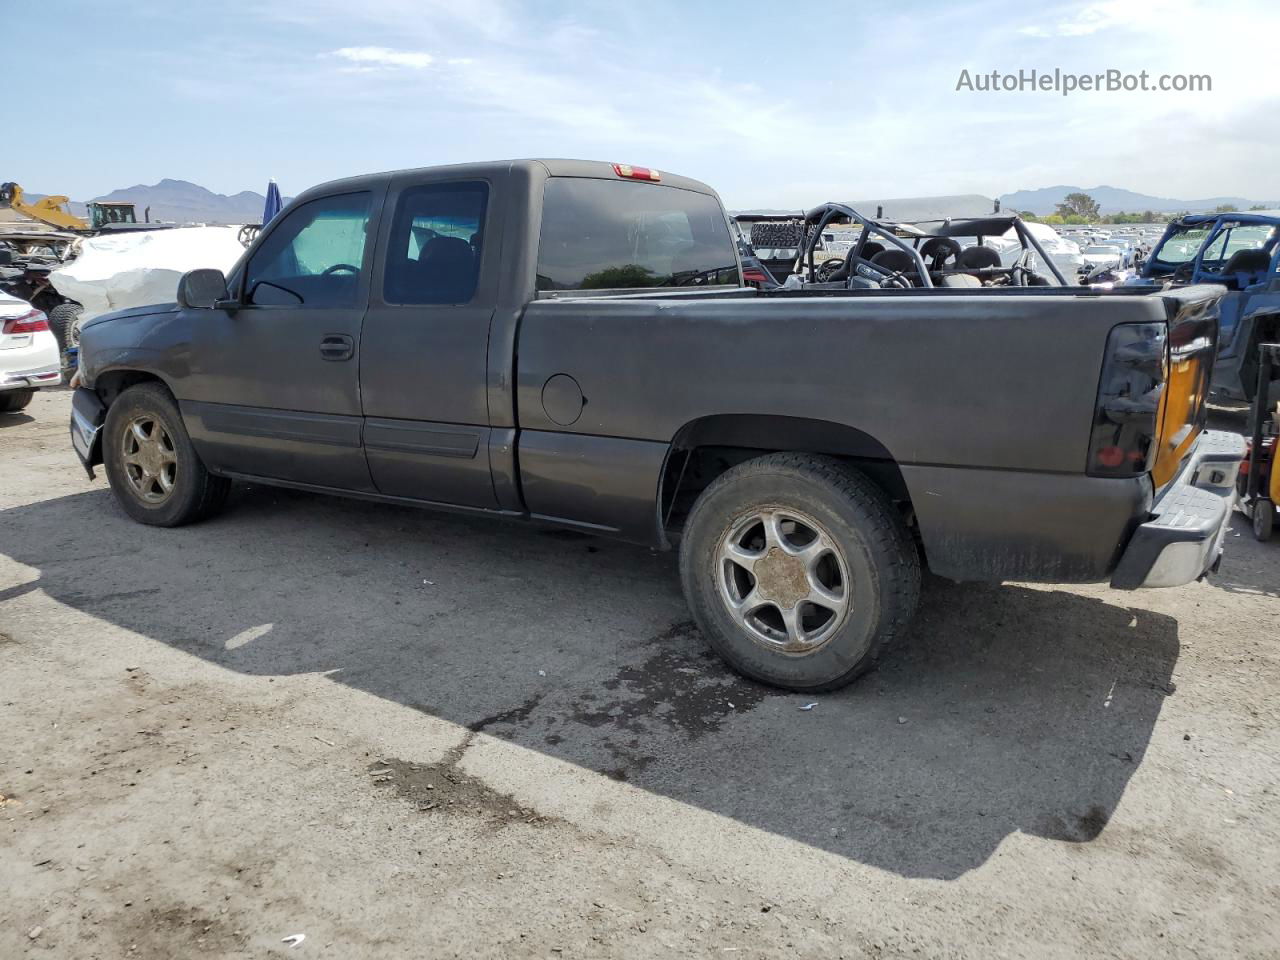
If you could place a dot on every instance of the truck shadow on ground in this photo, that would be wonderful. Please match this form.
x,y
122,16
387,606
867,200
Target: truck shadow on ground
x,y
1007,709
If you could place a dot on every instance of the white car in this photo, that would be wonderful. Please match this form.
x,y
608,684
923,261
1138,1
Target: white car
x,y
29,356
1102,256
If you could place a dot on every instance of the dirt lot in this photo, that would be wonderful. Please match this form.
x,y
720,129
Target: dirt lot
x,y
405,734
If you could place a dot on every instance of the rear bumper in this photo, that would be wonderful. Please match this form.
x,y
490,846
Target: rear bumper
x,y
35,364
1183,539
45,375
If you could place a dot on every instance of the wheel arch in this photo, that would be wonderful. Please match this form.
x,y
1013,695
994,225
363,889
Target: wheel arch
x,y
706,447
107,387
109,384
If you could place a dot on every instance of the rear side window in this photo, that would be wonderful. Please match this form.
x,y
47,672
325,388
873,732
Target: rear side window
x,y
436,239
603,234
314,257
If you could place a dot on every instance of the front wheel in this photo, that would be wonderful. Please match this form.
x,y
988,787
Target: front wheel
x,y
798,570
153,469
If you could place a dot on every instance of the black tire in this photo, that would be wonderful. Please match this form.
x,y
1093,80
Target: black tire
x,y
11,401
1264,519
61,318
195,493
882,585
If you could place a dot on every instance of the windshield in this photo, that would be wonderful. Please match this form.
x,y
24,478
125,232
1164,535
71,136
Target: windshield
x,y
1097,249
1182,246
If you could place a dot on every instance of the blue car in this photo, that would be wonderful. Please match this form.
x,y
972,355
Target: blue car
x,y
1242,252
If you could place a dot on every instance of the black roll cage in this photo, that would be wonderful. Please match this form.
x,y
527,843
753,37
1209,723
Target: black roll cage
x,y
821,216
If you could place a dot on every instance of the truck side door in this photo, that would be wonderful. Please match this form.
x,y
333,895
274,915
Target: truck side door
x,y
273,387
423,360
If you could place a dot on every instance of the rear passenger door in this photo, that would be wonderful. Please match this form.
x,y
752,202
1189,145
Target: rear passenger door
x,y
423,370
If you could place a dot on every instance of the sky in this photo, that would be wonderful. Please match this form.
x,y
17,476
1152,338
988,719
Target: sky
x,y
773,105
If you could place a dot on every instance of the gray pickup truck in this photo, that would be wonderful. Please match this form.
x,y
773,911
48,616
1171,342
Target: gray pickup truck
x,y
569,342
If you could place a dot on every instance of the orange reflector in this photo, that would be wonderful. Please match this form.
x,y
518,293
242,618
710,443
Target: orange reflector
x,y
636,173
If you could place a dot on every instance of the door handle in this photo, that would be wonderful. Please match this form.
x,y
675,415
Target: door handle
x,y
337,346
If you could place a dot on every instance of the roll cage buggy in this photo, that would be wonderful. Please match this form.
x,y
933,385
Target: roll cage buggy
x,y
922,254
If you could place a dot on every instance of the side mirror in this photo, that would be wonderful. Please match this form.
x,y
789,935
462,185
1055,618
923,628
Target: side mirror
x,y
202,288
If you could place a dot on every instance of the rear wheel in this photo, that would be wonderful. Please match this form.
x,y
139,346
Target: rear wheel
x,y
154,470
798,570
11,401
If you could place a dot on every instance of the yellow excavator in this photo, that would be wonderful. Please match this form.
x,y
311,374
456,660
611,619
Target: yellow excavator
x,y
55,212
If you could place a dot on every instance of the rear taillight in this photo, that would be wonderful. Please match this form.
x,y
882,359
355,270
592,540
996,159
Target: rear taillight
x,y
754,276
1126,418
32,322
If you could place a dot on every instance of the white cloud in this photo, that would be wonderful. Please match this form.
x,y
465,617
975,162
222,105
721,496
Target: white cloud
x,y
370,58
1091,18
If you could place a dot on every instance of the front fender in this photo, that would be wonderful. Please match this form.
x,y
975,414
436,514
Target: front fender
x,y
98,363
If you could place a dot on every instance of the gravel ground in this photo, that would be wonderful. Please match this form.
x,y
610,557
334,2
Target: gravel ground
x,y
408,734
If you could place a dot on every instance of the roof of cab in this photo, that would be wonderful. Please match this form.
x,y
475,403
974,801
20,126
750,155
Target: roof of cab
x,y
547,167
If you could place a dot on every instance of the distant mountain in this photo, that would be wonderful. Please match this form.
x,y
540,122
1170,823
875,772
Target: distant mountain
x,y
1115,200
181,201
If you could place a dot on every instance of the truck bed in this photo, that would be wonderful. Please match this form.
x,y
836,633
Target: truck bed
x,y
978,399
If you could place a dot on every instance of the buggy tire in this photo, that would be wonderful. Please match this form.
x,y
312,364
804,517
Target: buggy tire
x,y
61,319
191,493
829,523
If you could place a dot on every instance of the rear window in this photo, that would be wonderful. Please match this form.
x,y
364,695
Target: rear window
x,y
611,234
434,256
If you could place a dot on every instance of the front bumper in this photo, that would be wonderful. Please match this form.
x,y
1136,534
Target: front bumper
x,y
1183,539
88,414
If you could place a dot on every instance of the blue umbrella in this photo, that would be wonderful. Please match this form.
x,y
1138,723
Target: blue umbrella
x,y
272,206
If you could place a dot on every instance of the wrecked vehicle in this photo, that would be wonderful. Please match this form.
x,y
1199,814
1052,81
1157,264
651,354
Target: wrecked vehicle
x,y
28,259
569,342
1241,251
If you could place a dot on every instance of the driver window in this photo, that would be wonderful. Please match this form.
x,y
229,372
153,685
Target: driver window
x,y
315,257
